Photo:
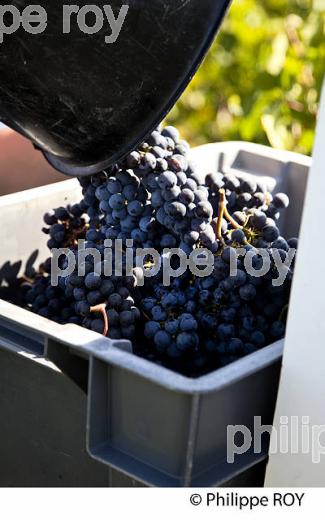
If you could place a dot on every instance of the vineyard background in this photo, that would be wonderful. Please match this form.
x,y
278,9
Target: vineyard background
x,y
261,80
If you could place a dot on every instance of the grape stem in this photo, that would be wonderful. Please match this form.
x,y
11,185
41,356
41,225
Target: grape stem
x,y
26,278
221,212
231,220
101,308
146,316
268,198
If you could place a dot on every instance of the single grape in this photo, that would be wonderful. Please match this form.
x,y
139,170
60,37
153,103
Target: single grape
x,y
162,340
281,200
187,341
247,292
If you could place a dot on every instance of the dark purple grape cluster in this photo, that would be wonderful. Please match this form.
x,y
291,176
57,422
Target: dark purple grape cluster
x,y
65,225
157,198
197,324
106,304
176,189
54,303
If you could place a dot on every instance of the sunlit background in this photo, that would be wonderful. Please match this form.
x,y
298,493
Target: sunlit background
x,y
261,80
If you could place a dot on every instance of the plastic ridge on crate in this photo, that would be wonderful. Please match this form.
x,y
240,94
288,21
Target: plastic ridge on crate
x,y
145,424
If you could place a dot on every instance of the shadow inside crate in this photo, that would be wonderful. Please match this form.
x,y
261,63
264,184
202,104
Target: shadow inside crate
x,y
12,277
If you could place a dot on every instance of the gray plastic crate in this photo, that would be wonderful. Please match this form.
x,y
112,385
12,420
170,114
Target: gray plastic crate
x,y
64,389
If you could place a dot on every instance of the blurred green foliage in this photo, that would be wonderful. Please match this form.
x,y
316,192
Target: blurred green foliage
x,y
261,80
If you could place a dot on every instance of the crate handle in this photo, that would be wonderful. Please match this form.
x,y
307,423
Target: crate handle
x,y
74,366
17,338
